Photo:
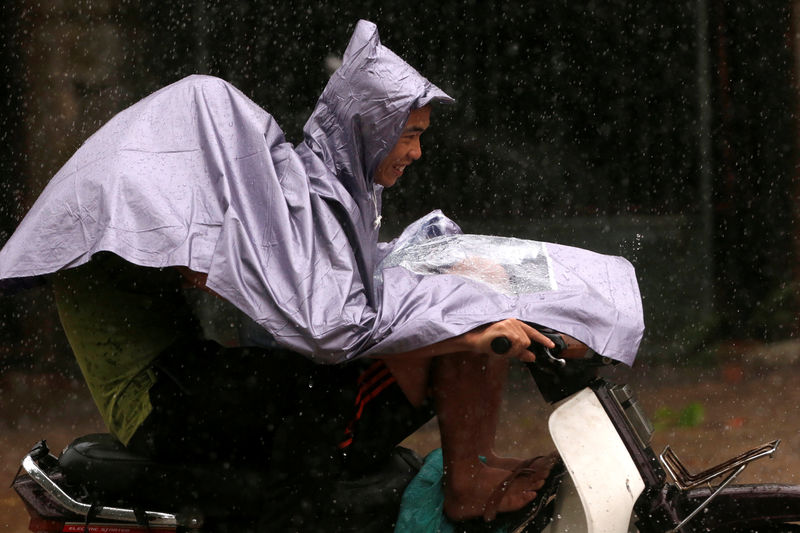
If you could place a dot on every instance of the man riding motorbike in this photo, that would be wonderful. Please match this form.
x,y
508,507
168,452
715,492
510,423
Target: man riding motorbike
x,y
137,216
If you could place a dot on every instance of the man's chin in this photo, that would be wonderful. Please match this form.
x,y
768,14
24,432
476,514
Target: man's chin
x,y
387,181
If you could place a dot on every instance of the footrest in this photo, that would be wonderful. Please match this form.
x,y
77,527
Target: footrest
x,y
686,480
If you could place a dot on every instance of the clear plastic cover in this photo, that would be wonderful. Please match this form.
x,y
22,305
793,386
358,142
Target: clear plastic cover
x,y
508,266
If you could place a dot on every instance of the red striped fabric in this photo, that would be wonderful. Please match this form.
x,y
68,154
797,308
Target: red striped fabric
x,y
371,383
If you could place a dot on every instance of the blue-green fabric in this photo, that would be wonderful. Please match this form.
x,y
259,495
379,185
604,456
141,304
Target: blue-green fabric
x,y
422,505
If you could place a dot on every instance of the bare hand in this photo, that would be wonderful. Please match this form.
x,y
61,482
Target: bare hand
x,y
520,334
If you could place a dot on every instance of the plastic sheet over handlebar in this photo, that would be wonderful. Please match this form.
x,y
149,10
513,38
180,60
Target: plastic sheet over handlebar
x,y
465,281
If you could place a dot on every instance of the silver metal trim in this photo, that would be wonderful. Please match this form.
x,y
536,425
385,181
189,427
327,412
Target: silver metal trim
x,y
708,500
686,480
555,361
103,513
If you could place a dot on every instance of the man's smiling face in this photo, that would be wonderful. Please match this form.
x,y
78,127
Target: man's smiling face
x,y
406,151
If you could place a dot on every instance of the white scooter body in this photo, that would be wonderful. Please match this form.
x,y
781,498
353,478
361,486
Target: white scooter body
x,y
603,483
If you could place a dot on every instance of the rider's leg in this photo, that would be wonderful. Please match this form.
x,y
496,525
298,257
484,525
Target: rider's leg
x,y
460,381
467,389
413,377
495,371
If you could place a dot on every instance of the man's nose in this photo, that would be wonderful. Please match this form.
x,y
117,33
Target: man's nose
x,y
416,151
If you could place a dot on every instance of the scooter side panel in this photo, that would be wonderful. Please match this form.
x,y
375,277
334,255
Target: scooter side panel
x,y
568,511
605,477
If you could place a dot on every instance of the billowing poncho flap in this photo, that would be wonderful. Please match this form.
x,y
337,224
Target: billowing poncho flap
x,y
198,175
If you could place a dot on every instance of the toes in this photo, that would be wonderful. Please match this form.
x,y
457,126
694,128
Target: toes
x,y
512,501
538,484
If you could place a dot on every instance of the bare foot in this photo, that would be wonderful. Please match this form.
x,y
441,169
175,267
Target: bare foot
x,y
470,487
506,463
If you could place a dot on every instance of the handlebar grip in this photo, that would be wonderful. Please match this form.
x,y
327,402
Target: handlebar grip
x,y
500,345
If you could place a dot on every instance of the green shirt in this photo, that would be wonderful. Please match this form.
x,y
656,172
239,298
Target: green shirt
x,y
118,317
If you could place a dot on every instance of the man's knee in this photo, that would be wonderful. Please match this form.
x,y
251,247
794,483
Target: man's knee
x,y
413,377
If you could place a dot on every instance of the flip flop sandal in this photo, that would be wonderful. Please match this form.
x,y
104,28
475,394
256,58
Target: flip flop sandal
x,y
549,468
540,465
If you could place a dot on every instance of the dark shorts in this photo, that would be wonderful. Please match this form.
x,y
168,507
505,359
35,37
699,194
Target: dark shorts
x,y
274,408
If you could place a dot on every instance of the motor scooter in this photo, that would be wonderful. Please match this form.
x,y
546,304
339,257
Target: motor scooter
x,y
609,479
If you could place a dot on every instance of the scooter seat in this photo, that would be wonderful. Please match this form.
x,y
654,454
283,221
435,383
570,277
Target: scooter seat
x,y
98,468
109,472
102,462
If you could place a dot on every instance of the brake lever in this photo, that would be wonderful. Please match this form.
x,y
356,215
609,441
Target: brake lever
x,y
542,351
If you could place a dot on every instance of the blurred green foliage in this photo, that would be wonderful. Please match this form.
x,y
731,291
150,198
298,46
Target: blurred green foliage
x,y
692,415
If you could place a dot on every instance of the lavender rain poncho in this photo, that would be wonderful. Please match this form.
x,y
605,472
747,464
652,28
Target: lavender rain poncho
x,y
198,175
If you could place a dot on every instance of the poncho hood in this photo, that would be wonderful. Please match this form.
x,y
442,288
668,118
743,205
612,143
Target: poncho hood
x,y
198,175
359,117
356,122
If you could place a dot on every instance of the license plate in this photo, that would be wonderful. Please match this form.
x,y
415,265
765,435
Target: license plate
x,y
75,527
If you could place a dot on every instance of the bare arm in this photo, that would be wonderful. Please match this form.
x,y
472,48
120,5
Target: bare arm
x,y
412,369
479,341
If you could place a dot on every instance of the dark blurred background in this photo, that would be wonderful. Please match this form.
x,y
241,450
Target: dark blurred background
x,y
665,132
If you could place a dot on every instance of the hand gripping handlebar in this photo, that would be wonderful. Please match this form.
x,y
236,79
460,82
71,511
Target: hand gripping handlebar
x,y
501,345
